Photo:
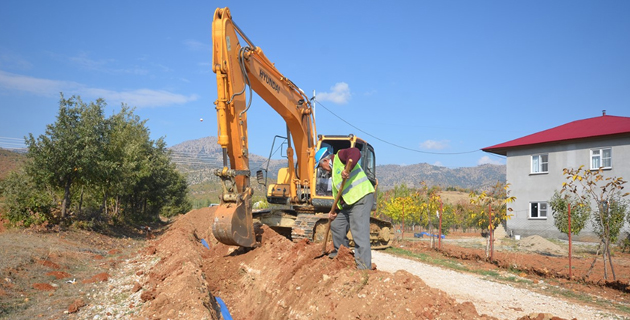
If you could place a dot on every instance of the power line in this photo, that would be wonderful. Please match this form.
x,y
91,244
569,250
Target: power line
x,y
9,138
391,143
12,143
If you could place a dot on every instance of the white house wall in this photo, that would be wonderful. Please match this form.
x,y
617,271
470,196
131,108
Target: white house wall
x,y
528,187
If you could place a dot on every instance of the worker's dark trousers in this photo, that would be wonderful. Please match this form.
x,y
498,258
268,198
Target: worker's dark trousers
x,y
356,218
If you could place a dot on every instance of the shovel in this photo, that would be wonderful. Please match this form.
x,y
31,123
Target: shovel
x,y
334,205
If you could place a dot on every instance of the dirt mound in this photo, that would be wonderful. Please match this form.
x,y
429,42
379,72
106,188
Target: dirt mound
x,y
278,280
541,245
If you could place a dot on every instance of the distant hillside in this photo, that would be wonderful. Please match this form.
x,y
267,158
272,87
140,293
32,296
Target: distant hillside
x,y
196,157
10,161
413,175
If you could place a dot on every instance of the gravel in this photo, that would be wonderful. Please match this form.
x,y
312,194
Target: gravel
x,y
499,300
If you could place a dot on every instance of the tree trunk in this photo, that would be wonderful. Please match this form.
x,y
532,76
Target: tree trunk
x,y
81,200
612,269
604,260
66,198
116,205
105,211
588,272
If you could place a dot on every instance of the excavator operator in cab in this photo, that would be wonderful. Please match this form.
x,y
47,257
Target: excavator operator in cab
x,y
323,156
355,204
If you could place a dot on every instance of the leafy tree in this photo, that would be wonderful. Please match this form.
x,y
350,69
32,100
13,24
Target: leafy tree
x,y
126,154
465,215
160,184
495,201
579,213
64,155
449,218
109,167
592,187
25,202
431,212
403,208
381,199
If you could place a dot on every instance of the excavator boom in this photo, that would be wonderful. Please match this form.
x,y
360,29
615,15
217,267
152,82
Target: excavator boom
x,y
238,67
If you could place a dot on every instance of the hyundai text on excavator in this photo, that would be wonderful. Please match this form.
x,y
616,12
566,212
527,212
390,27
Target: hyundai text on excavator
x,y
304,213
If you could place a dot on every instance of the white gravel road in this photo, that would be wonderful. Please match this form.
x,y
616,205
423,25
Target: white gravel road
x,y
495,299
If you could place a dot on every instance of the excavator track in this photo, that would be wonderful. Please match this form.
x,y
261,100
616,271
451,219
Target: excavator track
x,y
381,234
312,226
306,225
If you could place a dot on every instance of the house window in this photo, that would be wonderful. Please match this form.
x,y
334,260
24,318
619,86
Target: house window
x,y
540,163
538,210
601,158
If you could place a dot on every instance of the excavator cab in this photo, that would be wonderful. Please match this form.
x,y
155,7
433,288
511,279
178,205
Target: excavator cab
x,y
322,200
321,185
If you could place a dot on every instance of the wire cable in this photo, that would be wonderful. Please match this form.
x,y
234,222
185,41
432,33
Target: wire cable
x,y
391,143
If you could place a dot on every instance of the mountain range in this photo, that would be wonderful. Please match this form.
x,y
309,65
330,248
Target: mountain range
x,y
197,158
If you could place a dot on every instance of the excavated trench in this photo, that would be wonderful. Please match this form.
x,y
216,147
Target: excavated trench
x,y
278,280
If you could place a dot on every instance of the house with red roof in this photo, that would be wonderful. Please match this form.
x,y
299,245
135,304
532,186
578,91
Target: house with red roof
x,y
535,166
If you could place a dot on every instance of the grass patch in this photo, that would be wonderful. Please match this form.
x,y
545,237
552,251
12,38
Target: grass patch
x,y
489,273
364,280
586,298
423,257
12,306
454,264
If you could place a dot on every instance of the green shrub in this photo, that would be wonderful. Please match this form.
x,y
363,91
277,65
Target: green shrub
x,y
24,202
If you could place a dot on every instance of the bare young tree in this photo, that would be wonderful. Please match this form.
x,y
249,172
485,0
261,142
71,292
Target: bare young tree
x,y
593,189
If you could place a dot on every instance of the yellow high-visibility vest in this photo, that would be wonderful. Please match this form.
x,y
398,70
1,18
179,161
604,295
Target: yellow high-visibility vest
x,y
357,185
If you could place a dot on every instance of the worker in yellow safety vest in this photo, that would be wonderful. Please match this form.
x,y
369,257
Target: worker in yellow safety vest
x,y
355,204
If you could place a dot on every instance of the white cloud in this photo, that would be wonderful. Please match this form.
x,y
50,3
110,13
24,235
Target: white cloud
x,y
8,59
340,94
434,145
438,163
83,61
488,160
42,87
50,88
140,97
196,45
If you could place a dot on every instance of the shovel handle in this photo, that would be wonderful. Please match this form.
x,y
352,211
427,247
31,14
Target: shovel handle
x,y
343,184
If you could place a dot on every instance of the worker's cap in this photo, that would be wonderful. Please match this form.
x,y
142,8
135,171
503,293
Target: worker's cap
x,y
324,151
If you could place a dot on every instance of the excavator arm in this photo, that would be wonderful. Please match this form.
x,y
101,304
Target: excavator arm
x,y
239,70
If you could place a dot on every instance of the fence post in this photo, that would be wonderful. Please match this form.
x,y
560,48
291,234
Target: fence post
x,y
402,234
491,234
440,228
570,243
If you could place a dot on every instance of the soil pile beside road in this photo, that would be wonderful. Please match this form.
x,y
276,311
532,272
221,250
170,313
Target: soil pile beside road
x,y
541,245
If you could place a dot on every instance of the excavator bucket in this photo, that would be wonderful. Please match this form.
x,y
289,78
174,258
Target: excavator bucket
x,y
233,225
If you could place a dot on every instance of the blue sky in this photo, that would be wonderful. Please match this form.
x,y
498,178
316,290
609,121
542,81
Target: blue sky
x,y
423,81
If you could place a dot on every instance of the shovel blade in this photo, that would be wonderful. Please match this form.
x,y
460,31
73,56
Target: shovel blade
x,y
233,225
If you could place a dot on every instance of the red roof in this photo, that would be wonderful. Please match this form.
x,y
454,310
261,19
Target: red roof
x,y
580,129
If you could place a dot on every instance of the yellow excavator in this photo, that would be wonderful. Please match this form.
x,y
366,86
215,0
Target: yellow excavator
x,y
302,206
